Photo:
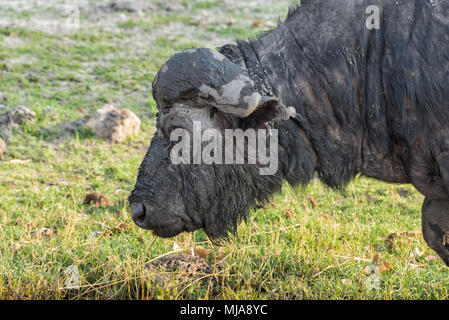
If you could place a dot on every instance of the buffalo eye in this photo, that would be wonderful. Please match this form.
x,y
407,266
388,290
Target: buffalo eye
x,y
212,112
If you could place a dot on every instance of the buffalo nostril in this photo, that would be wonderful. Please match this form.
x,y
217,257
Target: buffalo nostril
x,y
138,211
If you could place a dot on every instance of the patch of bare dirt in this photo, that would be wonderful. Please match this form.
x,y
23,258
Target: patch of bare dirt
x,y
179,270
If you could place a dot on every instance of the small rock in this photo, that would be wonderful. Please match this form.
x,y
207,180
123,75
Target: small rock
x,y
13,118
101,113
2,148
113,124
97,199
18,115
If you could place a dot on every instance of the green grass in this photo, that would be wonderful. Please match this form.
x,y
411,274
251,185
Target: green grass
x,y
308,243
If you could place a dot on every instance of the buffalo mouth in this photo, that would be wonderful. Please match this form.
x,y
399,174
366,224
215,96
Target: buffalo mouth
x,y
167,232
171,227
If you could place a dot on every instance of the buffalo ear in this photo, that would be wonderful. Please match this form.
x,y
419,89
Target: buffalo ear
x,y
269,110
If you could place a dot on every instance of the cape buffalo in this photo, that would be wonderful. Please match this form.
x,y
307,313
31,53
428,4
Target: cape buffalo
x,y
369,83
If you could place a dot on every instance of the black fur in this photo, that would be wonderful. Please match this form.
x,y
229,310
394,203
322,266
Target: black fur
x,y
366,94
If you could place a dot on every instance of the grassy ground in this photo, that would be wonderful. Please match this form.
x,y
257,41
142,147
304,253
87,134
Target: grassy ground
x,y
310,243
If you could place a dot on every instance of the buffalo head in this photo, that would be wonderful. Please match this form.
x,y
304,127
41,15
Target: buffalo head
x,y
202,85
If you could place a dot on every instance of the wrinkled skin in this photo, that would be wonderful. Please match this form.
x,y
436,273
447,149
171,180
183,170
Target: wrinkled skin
x,y
374,102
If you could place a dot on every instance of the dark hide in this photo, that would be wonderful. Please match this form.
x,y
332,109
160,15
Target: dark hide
x,y
366,94
374,102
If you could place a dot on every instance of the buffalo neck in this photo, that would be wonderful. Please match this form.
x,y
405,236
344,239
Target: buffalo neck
x,y
320,78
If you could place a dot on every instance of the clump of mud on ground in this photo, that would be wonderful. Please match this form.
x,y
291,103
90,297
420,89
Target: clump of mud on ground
x,y
175,272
